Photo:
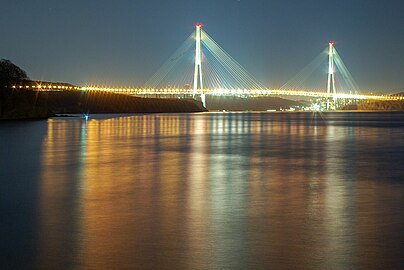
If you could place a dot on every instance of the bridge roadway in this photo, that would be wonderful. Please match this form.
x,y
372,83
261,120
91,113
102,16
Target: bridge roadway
x,y
217,92
241,92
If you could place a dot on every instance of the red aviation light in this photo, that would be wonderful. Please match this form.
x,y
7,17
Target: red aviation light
x,y
331,43
198,25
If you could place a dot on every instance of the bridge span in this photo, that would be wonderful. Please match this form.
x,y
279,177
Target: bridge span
x,y
243,92
178,92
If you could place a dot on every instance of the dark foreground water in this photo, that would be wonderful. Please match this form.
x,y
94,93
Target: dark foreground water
x,y
203,191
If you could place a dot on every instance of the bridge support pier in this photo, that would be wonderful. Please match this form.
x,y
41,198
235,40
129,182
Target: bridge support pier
x,y
331,78
198,64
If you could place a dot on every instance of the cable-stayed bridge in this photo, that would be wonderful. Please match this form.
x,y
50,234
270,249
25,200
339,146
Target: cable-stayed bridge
x,y
200,67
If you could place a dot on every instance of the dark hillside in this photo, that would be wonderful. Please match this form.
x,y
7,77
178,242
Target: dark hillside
x,y
28,104
102,102
22,104
248,104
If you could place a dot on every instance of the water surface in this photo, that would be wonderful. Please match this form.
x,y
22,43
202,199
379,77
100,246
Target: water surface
x,y
203,191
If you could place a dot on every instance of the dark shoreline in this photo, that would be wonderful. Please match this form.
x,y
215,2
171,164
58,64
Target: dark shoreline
x,y
28,105
21,104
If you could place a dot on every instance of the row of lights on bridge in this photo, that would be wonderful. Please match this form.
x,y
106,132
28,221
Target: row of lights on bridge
x,y
47,87
151,91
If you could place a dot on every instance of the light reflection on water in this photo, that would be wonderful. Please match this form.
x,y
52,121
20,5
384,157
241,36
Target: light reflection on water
x,y
222,190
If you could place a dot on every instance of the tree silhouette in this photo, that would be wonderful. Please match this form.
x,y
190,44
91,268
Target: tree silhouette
x,y
10,73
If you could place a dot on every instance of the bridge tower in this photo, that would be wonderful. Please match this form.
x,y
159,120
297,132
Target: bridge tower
x,y
331,76
198,63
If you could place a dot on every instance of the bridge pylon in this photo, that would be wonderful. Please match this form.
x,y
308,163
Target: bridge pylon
x,y
198,64
331,76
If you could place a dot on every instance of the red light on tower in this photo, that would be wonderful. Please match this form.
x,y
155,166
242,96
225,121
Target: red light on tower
x,y
198,25
331,43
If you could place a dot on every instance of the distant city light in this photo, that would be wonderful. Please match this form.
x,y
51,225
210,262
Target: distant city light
x,y
316,107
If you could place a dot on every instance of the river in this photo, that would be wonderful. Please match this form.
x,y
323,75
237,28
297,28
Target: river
x,y
203,191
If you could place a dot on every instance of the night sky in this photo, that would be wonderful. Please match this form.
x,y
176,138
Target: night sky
x,y
122,43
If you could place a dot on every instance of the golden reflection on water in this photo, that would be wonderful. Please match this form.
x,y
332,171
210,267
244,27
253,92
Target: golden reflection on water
x,y
208,191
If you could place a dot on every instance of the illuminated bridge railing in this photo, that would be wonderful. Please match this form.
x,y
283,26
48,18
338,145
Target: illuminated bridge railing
x,y
48,87
241,92
216,92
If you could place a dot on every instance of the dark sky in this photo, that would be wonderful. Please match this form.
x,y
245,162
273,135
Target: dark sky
x,y
123,43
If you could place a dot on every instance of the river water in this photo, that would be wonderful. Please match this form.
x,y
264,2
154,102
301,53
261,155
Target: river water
x,y
203,191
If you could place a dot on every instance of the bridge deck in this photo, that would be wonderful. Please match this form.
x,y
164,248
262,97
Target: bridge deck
x,y
217,92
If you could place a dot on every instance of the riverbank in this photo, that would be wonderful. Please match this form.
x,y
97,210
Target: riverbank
x,y
23,104
378,105
27,104
219,103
